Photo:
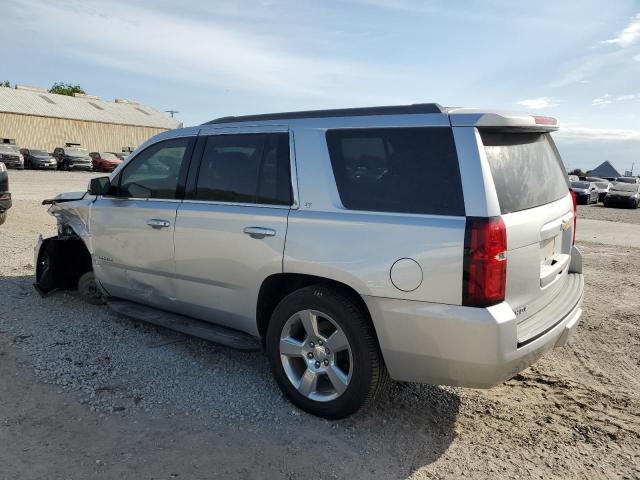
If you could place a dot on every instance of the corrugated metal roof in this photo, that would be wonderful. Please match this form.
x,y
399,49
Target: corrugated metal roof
x,y
78,108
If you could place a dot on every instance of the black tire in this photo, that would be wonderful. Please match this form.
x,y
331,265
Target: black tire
x,y
3,217
369,376
88,289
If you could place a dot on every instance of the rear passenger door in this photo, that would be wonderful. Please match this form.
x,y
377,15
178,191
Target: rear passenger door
x,y
231,227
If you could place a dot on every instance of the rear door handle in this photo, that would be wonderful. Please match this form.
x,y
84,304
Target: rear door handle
x,y
259,232
158,223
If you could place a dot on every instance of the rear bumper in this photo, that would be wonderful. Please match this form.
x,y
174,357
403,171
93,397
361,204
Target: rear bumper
x,y
464,346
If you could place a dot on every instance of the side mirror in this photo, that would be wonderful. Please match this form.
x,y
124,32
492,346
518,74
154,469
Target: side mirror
x,y
99,186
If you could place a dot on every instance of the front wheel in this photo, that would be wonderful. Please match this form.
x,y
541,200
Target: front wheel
x,y
324,354
88,289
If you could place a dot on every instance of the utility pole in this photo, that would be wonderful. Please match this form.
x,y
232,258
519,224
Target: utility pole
x,y
172,112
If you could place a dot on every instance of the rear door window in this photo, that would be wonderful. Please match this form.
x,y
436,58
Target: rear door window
x,y
403,170
245,168
526,168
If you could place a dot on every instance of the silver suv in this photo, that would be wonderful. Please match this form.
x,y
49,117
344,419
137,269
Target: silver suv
x,y
414,242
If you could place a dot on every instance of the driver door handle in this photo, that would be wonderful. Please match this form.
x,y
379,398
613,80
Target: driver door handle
x,y
158,223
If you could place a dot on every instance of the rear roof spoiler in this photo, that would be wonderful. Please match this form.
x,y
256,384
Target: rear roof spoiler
x,y
471,117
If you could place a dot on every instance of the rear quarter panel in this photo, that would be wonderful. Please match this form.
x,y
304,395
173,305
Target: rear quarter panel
x,y
359,248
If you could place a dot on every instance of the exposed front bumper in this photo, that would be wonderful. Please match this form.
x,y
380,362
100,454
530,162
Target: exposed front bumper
x,y
464,346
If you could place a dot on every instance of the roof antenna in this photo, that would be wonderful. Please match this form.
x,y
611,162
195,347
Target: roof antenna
x,y
172,112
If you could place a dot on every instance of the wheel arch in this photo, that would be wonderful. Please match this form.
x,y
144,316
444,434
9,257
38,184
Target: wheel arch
x,y
276,287
61,261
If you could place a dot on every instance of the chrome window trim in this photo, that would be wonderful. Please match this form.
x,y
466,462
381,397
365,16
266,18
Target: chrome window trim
x,y
238,204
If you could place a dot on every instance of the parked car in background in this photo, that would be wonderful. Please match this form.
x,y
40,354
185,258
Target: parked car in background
x,y
586,192
190,234
73,158
5,195
603,188
104,161
11,157
628,180
38,159
623,195
573,178
121,155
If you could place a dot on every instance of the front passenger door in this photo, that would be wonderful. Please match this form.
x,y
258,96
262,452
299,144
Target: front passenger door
x,y
132,229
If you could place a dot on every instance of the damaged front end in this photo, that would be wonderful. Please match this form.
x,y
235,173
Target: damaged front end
x,y
62,259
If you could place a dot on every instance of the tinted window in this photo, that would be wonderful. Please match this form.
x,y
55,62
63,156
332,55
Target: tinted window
x,y
154,173
247,168
526,169
407,170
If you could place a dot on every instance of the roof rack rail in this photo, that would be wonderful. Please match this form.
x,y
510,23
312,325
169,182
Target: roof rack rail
x,y
416,108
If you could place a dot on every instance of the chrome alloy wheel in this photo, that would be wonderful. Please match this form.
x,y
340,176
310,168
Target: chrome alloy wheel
x,y
316,355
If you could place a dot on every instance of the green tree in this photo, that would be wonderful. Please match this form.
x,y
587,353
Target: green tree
x,y
65,89
578,172
5,84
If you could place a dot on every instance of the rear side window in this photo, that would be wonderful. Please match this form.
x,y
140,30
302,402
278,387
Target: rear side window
x,y
246,168
526,169
404,170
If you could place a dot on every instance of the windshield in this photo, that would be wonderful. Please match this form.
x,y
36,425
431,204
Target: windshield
x,y
108,156
9,149
626,179
76,152
39,153
602,184
579,184
624,187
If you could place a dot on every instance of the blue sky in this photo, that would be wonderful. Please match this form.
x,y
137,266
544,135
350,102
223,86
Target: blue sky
x,y
576,60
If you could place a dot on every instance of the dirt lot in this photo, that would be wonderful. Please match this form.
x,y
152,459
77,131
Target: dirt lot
x,y
86,393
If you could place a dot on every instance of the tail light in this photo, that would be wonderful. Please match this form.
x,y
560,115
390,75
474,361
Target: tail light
x,y
485,262
575,216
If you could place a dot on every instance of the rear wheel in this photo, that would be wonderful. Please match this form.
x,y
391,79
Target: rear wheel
x,y
3,217
88,289
324,354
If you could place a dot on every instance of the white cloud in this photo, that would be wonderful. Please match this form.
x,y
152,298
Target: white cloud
x,y
201,50
606,99
539,102
579,134
613,54
629,36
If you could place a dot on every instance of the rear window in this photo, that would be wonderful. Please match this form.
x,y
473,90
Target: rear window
x,y
404,170
526,169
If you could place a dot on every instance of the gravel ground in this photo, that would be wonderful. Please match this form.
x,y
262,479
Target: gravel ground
x,y
598,211
94,393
